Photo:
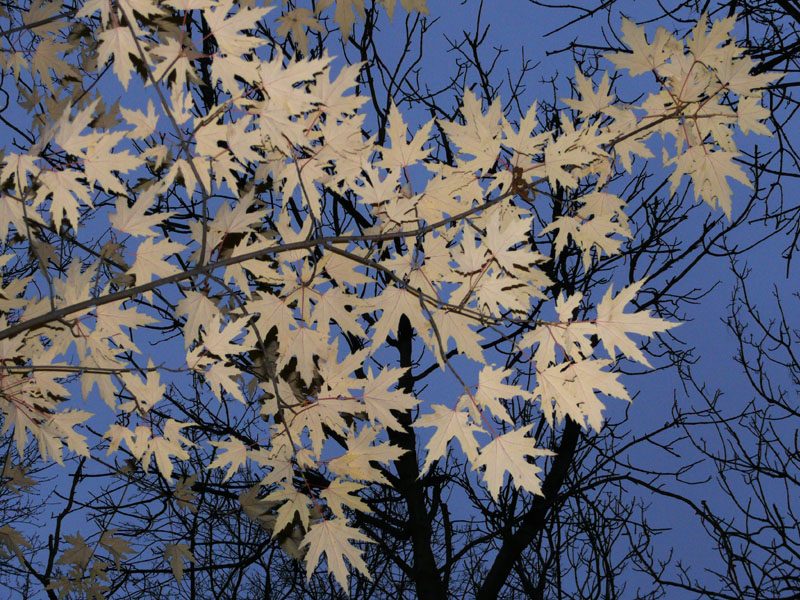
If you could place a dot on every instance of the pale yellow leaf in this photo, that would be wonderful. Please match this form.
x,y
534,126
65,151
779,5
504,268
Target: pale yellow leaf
x,y
614,325
333,538
449,424
175,554
507,453
339,495
133,220
119,43
235,455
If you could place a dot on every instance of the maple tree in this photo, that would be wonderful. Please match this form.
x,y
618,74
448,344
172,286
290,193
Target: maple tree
x,y
208,232
734,428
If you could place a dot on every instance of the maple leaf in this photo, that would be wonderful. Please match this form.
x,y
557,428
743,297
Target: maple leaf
x,y
103,380
225,29
230,71
150,260
491,390
453,325
174,63
631,143
750,113
272,311
324,413
162,448
591,102
235,454
18,166
569,150
132,220
135,440
66,188
189,4
116,434
704,46
402,153
332,306
183,494
145,8
380,400
144,124
15,478
643,57
79,554
147,394
175,554
292,503
507,453
709,171
420,6
14,215
119,42
242,141
46,59
166,446
225,376
736,76
381,191
571,338
281,465
68,132
12,539
595,227
589,376
333,91
205,135
239,219
554,388
255,508
39,11
102,166
395,302
286,147
339,495
503,233
295,22
614,325
62,424
449,423
117,546
355,463
200,311
15,62
480,134
281,84
302,344
493,293
345,12
333,538
218,338
523,141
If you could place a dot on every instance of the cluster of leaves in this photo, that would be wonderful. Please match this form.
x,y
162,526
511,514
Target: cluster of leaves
x,y
280,314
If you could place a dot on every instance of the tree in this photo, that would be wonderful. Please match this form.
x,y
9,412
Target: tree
x,y
751,443
202,178
768,30
740,433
